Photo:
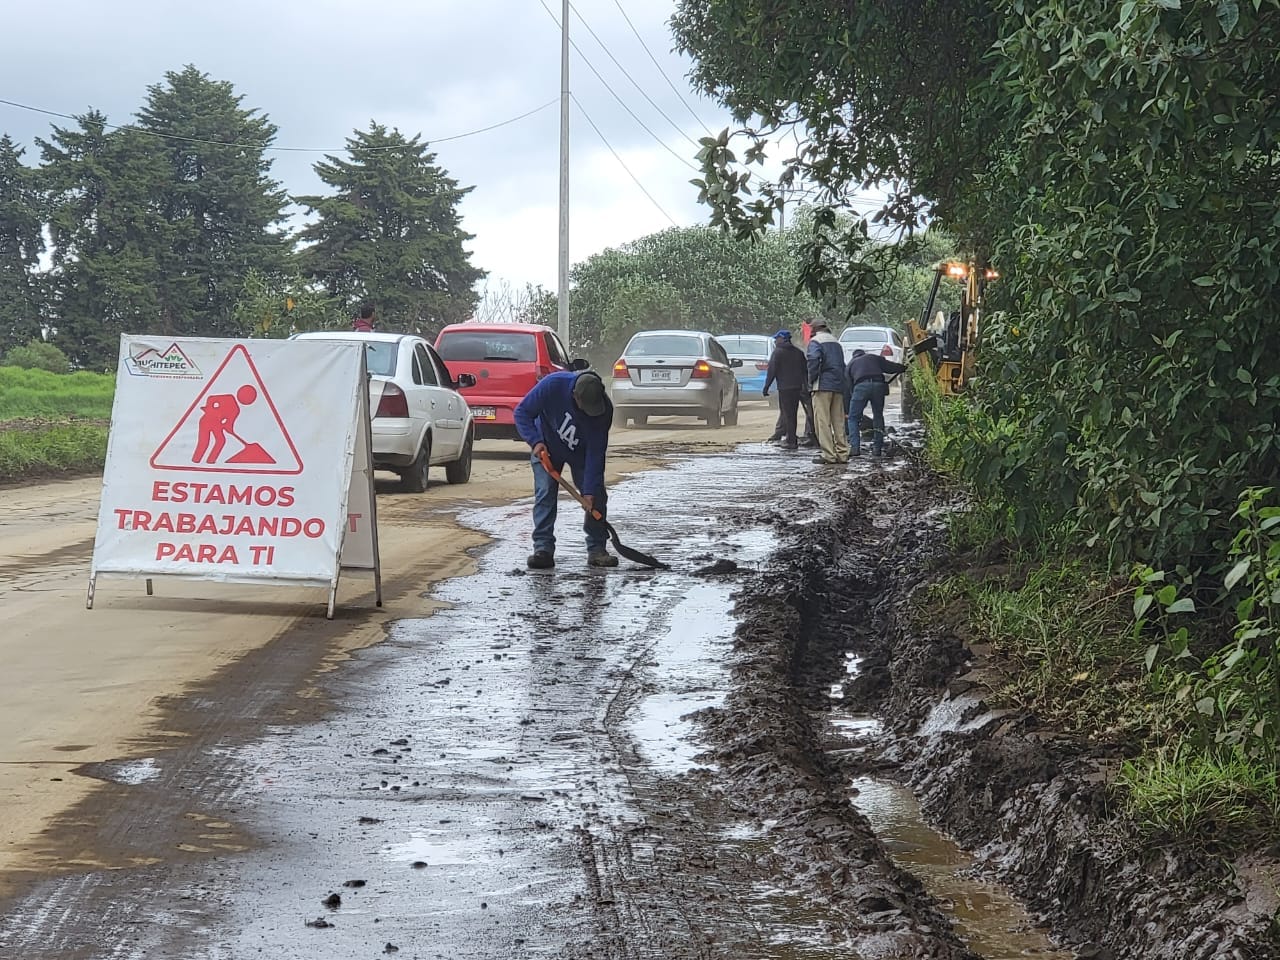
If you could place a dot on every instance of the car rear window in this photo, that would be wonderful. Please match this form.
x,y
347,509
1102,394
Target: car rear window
x,y
874,334
742,347
477,345
380,357
665,345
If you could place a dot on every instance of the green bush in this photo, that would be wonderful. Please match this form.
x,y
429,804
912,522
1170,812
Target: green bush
x,y
38,355
62,448
40,394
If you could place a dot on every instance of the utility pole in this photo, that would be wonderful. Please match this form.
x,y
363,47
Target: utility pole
x,y
562,300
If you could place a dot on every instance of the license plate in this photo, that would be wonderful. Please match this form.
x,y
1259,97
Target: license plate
x,y
660,376
484,413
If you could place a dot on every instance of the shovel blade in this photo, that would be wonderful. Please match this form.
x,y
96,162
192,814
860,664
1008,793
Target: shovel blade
x,y
635,556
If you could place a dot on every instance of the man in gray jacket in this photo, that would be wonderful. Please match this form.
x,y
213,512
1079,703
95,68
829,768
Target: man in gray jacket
x,y
827,374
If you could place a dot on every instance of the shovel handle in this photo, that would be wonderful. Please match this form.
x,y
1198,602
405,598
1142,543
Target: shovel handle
x,y
545,458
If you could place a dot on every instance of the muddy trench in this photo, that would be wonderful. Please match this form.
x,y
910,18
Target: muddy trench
x,y
750,755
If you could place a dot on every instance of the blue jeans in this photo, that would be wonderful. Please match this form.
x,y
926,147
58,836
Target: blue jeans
x,y
545,498
873,392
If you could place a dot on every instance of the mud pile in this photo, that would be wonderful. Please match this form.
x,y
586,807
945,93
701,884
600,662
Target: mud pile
x,y
1034,805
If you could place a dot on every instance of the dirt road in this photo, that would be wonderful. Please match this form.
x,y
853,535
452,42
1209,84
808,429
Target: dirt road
x,y
82,687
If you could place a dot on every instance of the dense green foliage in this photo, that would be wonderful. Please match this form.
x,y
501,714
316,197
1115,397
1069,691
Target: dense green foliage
x,y
21,243
1116,162
390,232
37,355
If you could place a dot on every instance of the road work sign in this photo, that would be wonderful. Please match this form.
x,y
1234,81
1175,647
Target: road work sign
x,y
242,461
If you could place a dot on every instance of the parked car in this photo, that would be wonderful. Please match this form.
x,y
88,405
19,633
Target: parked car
x,y
885,341
419,420
675,373
506,359
753,350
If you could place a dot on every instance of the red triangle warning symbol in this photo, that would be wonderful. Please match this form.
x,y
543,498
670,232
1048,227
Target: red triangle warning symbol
x,y
233,426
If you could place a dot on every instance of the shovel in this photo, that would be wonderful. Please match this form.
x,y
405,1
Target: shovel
x,y
634,556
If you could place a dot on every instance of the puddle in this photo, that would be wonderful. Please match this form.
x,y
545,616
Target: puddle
x,y
990,921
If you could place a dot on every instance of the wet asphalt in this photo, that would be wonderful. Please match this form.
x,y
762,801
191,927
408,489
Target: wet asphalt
x,y
437,795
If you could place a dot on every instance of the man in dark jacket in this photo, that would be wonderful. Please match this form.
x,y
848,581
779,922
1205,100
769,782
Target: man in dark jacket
x,y
826,374
866,372
568,415
788,368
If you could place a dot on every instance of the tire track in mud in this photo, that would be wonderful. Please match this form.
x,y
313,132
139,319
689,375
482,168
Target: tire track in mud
x,y
758,852
1034,803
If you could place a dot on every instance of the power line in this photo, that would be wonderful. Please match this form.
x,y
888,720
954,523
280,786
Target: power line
x,y
626,74
621,162
662,143
259,146
618,4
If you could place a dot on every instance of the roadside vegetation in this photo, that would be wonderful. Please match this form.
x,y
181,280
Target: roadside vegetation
x,y
1120,441
52,423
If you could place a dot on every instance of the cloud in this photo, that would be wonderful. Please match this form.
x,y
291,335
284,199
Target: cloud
x,y
323,68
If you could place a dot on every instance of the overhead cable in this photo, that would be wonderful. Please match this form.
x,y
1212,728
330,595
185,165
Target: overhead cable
x,y
621,162
662,143
621,10
259,146
633,80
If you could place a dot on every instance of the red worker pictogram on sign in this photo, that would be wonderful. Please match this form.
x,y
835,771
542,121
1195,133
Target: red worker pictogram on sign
x,y
232,427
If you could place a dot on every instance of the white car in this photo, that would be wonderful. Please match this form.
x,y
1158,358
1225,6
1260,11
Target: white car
x,y
419,420
885,341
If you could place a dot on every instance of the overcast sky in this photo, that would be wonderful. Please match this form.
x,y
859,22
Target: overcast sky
x,y
322,68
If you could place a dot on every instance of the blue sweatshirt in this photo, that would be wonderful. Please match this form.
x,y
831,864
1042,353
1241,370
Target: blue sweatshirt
x,y
549,415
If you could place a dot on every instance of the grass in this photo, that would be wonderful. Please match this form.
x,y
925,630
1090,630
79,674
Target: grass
x,y
1184,794
52,423
1063,642
57,448
39,394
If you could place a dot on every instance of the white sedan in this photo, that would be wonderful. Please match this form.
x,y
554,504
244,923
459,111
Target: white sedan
x,y
885,341
419,420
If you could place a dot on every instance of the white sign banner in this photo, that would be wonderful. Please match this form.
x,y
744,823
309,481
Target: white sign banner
x,y
236,460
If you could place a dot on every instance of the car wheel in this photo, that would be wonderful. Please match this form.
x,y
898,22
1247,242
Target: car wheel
x,y
731,418
641,419
460,470
414,476
619,417
714,420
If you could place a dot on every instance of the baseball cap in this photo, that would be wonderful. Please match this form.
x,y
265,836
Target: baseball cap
x,y
783,334
588,394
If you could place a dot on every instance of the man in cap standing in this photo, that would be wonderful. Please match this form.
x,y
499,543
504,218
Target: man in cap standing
x,y
567,416
788,368
827,374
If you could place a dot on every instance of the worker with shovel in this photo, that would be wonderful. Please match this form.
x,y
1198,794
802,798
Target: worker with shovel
x,y
565,418
218,421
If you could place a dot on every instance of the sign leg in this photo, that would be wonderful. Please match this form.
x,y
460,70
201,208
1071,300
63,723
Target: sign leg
x,y
88,600
149,591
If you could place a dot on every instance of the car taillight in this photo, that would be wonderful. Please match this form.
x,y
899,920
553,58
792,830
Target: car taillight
x,y
701,370
762,366
540,371
393,402
620,371
886,351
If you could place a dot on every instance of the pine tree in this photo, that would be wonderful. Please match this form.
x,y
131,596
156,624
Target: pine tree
x,y
391,233
106,226
222,206
21,243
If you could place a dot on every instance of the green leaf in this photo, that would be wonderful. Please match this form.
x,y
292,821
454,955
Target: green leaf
x,y
1235,573
1185,605
1228,16
1205,281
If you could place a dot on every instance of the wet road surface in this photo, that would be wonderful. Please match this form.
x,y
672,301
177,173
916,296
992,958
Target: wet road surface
x,y
521,774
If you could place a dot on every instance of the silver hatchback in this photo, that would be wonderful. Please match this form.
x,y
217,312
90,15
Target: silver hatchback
x,y
682,373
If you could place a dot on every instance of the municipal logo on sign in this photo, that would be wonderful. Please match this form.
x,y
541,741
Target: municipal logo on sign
x,y
151,360
233,426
